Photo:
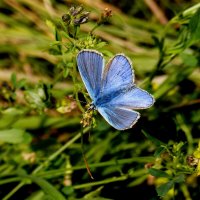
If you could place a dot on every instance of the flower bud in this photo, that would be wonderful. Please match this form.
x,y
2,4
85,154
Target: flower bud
x,y
75,11
66,18
81,20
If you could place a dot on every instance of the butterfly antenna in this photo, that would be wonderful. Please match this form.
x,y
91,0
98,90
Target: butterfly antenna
x,y
84,157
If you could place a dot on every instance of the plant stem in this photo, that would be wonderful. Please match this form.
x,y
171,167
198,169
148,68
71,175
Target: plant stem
x,y
12,192
138,173
191,9
45,163
110,180
54,155
60,172
10,180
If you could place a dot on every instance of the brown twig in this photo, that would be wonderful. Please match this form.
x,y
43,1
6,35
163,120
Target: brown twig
x,y
159,14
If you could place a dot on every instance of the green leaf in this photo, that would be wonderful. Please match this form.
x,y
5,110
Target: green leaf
x,y
99,198
153,139
21,83
15,136
158,43
138,181
37,195
179,179
194,26
9,116
68,190
101,45
57,36
14,80
159,151
189,59
158,173
48,188
173,80
50,24
93,194
163,189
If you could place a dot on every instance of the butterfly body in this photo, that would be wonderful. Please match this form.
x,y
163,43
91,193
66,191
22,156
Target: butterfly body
x,y
112,88
105,98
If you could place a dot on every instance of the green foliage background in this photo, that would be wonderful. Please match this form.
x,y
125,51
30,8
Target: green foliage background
x,y
42,101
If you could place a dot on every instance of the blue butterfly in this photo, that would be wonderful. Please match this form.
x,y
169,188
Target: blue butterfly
x,y
112,88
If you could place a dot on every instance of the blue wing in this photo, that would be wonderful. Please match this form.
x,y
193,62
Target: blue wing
x,y
112,88
118,73
90,65
132,98
119,118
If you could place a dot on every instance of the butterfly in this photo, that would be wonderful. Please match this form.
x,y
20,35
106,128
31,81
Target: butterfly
x,y
112,89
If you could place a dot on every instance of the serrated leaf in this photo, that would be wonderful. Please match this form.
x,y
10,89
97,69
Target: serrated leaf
x,y
164,188
15,136
158,173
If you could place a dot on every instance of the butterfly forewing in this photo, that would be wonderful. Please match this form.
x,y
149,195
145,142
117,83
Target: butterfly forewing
x,y
90,65
118,73
112,88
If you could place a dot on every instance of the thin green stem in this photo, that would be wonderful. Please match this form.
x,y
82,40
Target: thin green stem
x,y
187,132
10,180
53,173
110,180
95,27
59,151
61,172
12,192
138,173
45,163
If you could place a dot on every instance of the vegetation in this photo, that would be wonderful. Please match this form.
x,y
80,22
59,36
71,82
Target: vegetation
x,y
46,153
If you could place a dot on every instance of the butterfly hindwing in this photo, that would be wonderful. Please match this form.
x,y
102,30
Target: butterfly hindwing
x,y
119,118
133,98
90,65
112,88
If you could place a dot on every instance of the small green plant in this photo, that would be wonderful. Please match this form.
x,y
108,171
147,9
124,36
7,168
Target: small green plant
x,y
43,104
